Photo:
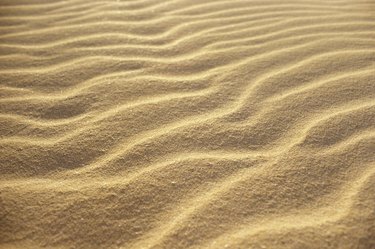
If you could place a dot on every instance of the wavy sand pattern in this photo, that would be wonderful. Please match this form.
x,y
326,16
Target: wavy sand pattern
x,y
187,124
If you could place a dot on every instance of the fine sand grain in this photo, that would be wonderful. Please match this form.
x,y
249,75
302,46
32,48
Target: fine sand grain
x,y
187,124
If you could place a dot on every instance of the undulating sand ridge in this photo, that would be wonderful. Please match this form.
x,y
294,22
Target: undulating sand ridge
x,y
187,124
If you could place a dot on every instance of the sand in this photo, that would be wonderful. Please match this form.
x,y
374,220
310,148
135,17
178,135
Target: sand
x,y
187,124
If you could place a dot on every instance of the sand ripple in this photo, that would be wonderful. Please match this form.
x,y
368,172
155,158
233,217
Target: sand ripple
x,y
187,124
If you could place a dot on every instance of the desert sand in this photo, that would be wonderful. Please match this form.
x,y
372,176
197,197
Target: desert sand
x,y
187,124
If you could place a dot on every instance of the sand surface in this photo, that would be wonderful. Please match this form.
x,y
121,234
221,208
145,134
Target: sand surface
x,y
187,124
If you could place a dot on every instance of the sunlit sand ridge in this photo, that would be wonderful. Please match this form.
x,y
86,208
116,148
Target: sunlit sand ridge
x,y
187,124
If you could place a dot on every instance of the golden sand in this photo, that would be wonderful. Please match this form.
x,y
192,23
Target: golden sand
x,y
187,124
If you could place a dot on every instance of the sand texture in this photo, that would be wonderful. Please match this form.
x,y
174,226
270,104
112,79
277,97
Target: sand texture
x,y
168,124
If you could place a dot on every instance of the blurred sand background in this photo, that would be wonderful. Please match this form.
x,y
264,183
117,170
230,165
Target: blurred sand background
x,y
187,124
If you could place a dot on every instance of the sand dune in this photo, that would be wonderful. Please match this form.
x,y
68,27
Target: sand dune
x,y
187,124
